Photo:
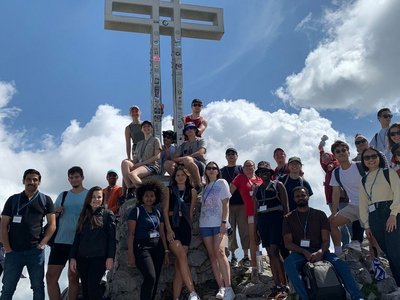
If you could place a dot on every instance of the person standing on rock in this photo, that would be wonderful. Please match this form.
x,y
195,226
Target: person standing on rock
x,y
133,132
178,206
93,250
380,206
306,235
213,227
271,203
147,245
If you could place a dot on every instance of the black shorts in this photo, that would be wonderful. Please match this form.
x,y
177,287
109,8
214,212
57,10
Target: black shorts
x,y
183,233
269,226
59,254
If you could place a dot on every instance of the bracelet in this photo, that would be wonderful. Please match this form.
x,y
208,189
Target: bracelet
x,y
223,222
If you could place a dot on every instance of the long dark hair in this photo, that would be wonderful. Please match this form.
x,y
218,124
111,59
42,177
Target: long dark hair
x,y
173,182
382,161
87,213
219,171
394,125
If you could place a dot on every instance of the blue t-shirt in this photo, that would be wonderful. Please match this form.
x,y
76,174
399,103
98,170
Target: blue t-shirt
x,y
147,222
68,220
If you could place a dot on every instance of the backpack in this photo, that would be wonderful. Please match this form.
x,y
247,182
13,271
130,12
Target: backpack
x,y
322,282
337,176
51,240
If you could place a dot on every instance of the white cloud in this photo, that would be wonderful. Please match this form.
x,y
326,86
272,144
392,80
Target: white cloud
x,y
356,66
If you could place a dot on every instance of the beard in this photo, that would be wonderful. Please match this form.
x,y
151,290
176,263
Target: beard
x,y
302,204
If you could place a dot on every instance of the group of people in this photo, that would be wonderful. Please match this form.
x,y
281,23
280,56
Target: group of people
x,y
267,206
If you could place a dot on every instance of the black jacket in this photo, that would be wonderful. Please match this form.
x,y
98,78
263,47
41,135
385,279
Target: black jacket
x,y
97,242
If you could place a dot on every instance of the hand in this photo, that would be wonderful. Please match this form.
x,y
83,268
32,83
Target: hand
x,y
131,260
307,255
222,229
166,258
368,233
109,263
316,256
391,223
170,235
7,250
59,210
72,265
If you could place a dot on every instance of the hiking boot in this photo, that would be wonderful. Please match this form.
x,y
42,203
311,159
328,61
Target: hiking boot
x,y
221,293
245,262
234,262
254,276
193,296
355,245
229,294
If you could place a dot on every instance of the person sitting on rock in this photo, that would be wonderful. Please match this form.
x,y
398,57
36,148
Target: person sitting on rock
x,y
191,154
178,206
306,235
195,117
168,148
147,160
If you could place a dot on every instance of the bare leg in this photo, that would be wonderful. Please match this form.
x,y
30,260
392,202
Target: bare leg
x,y
183,268
223,263
336,221
73,285
136,175
52,276
208,242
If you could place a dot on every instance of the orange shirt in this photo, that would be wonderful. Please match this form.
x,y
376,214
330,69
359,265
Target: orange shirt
x,y
111,196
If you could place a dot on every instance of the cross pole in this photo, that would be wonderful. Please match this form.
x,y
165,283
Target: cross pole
x,y
157,17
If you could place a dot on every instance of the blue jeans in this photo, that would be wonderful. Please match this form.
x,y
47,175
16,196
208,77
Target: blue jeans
x,y
388,241
294,264
14,262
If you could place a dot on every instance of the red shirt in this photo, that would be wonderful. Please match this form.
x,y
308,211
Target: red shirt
x,y
246,186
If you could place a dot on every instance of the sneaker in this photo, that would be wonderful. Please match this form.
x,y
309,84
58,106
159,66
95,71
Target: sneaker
x,y
355,245
245,262
254,276
229,294
234,262
221,293
193,296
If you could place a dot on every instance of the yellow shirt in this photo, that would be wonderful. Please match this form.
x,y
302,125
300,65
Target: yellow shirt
x,y
381,191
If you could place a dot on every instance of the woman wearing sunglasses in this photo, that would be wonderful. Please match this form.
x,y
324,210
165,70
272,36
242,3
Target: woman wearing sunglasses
x,y
213,227
379,206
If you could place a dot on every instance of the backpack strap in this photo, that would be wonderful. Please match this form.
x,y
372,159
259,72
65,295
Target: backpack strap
x,y
337,176
387,176
64,195
137,213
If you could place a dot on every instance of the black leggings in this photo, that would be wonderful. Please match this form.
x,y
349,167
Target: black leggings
x,y
358,231
90,271
149,256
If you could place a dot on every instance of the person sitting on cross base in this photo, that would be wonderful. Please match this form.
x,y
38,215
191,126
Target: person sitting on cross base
x,y
191,154
306,234
168,148
195,117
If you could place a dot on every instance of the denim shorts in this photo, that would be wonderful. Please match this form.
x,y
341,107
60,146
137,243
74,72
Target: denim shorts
x,y
209,231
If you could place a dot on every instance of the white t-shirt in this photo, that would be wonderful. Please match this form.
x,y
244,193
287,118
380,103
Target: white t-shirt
x,y
211,208
350,179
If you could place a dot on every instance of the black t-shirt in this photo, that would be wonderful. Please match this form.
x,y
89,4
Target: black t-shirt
x,y
28,233
229,173
290,184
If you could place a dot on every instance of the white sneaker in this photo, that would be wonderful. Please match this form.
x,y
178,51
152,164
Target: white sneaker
x,y
221,293
229,294
193,296
355,245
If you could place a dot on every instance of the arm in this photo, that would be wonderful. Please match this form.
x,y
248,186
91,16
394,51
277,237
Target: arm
x,y
225,204
51,221
112,243
5,222
335,199
391,222
318,255
283,197
363,206
198,153
192,204
74,252
165,206
131,239
202,127
232,188
288,239
128,142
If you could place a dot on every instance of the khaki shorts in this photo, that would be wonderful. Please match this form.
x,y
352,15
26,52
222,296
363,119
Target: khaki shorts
x,y
351,212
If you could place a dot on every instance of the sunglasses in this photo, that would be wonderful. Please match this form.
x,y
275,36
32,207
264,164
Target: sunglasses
x,y
394,133
212,168
387,116
369,157
338,151
263,172
197,104
363,141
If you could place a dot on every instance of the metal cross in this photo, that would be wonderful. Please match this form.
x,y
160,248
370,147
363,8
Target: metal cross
x,y
170,18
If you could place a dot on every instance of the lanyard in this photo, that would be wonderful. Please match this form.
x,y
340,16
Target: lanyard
x,y
209,191
26,204
263,198
305,224
372,185
151,219
252,184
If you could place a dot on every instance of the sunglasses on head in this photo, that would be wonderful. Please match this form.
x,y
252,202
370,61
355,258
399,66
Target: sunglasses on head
x,y
197,104
387,116
369,157
342,150
394,133
212,168
363,141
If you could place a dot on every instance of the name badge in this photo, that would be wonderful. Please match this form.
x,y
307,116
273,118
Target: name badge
x,y
371,208
154,234
251,193
262,208
17,219
305,243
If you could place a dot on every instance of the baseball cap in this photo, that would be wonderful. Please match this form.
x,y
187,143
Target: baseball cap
x,y
294,158
229,150
112,171
134,107
146,122
189,125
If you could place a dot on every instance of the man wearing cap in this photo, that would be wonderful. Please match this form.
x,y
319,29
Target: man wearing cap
x,y
293,179
361,143
237,215
191,154
133,132
113,192
195,117
68,208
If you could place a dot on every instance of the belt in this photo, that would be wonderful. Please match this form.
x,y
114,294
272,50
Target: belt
x,y
381,204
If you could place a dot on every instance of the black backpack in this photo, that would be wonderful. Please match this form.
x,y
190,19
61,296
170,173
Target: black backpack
x,y
322,282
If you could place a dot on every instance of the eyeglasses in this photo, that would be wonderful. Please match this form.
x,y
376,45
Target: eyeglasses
x,y
342,150
230,154
197,104
363,141
387,116
369,157
394,133
212,168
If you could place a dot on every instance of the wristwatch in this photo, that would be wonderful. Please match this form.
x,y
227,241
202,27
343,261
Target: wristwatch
x,y
223,222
